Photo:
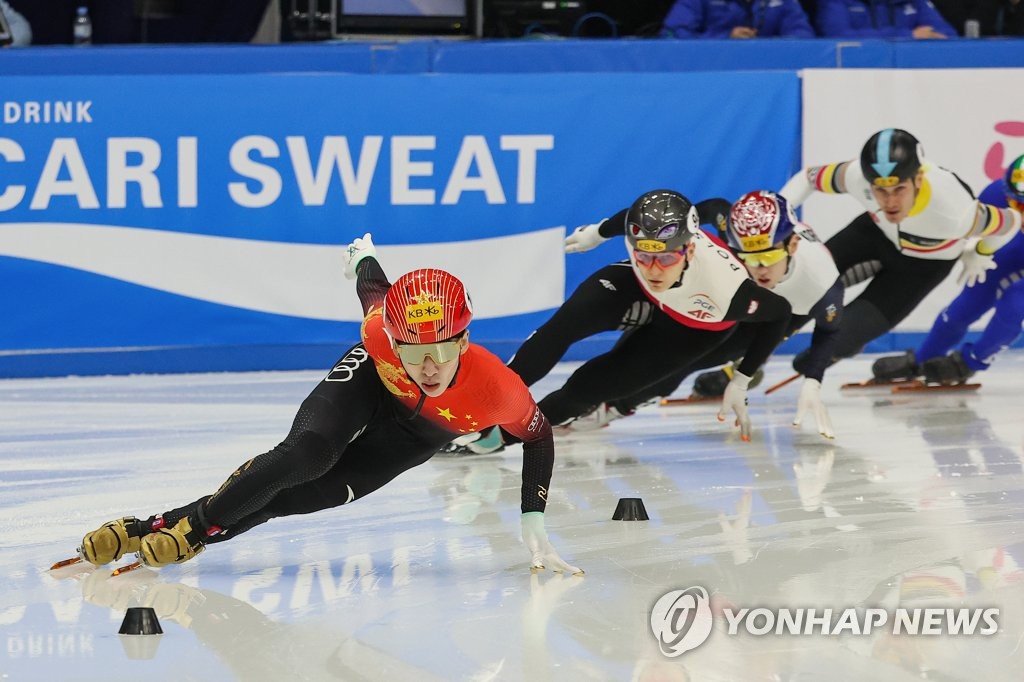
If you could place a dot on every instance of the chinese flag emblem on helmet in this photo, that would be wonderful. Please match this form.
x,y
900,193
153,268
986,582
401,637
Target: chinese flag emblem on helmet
x,y
426,306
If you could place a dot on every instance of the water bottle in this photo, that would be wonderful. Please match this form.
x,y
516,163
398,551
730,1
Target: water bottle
x,y
972,28
83,27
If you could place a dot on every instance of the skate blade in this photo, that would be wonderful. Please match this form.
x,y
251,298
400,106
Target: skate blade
x,y
916,386
124,569
689,400
784,382
877,383
67,562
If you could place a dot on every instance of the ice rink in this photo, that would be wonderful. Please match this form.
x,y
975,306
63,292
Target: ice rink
x,y
917,504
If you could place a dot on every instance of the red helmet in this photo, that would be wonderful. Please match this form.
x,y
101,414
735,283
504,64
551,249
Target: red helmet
x,y
759,220
426,306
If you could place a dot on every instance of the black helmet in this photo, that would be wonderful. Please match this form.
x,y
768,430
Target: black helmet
x,y
890,157
661,220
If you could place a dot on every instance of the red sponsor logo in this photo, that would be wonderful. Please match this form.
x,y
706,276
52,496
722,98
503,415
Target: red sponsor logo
x,y
995,159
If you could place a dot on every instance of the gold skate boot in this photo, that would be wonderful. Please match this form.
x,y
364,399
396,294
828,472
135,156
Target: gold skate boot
x,y
112,541
171,545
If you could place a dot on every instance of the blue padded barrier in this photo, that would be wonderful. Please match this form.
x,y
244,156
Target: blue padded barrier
x,y
514,56
342,57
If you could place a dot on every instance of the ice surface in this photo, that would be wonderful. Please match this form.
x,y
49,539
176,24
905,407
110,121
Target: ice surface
x,y
917,503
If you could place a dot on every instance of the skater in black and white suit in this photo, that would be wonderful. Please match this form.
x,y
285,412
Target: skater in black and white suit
x,y
919,221
691,286
784,255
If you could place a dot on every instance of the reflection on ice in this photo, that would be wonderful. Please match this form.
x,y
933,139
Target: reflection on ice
x,y
916,504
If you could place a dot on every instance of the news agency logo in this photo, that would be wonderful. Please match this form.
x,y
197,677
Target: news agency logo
x,y
682,620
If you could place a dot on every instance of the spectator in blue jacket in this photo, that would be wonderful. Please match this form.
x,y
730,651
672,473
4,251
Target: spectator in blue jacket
x,y
881,19
737,19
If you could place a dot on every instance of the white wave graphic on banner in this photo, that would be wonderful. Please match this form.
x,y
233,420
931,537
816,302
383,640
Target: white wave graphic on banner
x,y
511,275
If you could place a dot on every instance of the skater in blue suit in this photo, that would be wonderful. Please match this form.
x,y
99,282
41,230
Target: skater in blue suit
x,y
1002,289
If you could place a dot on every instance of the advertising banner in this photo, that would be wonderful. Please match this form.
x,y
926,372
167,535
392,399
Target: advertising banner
x,y
967,121
210,212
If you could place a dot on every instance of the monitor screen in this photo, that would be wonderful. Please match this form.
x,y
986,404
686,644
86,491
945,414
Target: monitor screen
x,y
441,17
407,8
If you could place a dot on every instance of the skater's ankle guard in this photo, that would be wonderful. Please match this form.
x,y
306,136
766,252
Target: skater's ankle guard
x,y
202,524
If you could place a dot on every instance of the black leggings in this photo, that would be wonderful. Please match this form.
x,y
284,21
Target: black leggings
x,y
654,344
349,438
636,362
898,286
731,350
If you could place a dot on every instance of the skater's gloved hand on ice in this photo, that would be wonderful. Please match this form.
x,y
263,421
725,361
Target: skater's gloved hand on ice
x,y
735,400
975,265
542,554
360,248
736,530
810,402
811,478
584,238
